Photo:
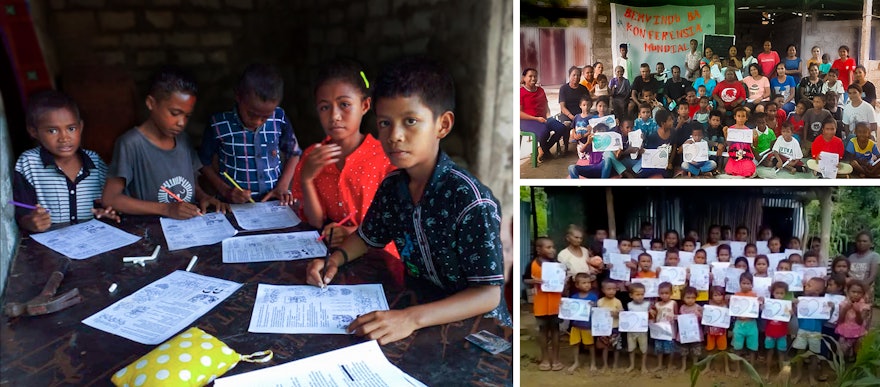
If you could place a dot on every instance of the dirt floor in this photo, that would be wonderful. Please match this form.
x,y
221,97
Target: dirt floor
x,y
531,376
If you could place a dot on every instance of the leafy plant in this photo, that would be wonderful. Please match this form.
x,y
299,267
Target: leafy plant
x,y
701,366
863,372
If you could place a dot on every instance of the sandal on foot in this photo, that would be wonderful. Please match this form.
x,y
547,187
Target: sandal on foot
x,y
544,366
558,366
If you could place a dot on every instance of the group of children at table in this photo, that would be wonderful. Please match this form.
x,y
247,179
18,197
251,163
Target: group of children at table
x,y
398,188
588,279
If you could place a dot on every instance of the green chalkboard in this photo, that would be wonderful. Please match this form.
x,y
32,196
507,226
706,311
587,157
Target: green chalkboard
x,y
718,43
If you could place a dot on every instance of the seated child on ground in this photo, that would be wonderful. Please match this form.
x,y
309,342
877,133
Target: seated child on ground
x,y
696,168
862,153
786,151
154,167
58,173
764,139
741,161
830,143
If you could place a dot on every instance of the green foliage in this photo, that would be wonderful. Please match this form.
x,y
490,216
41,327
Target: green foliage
x,y
540,207
863,372
855,209
701,366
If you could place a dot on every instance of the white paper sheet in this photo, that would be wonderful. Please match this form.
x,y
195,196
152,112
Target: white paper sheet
x,y
633,321
635,141
700,277
655,158
737,249
273,247
310,309
661,331
695,152
711,253
574,309
646,244
159,310
204,230
619,271
651,285
718,270
602,322
828,164
779,310
609,246
685,258
811,272
762,247
731,284
835,299
689,329
607,141
761,286
264,215
794,280
813,308
85,240
751,261
358,365
744,306
552,277
673,274
607,120
716,316
774,259
739,135
658,258
789,252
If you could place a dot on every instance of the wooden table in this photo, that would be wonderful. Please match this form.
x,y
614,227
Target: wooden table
x,y
58,350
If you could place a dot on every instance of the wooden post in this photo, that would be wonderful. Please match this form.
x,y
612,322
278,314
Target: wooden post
x,y
825,194
609,204
865,41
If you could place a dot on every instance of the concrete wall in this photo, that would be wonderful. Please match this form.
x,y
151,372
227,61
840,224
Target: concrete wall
x,y
218,38
8,229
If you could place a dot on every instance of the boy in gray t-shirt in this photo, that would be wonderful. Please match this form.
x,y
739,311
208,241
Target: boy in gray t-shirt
x,y
154,168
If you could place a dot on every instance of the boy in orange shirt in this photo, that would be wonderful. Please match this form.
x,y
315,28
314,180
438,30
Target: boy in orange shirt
x,y
546,307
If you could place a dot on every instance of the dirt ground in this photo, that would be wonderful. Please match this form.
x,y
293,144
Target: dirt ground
x,y
531,376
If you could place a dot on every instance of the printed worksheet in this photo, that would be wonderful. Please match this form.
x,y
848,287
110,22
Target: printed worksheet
x,y
700,277
273,247
744,306
673,274
655,158
689,329
716,316
779,310
574,309
85,240
602,322
685,258
159,310
358,365
310,309
695,152
711,253
264,216
814,308
552,277
651,285
739,135
619,271
794,279
633,321
761,286
204,230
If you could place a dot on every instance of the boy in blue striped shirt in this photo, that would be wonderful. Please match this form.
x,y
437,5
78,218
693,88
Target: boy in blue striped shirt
x,y
58,177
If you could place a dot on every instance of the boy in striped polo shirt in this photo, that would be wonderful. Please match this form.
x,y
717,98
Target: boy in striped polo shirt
x,y
61,179
443,221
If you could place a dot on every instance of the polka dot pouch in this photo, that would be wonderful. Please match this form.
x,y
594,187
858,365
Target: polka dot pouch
x,y
192,358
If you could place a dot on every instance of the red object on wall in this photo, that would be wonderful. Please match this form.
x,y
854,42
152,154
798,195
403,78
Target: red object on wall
x,y
20,41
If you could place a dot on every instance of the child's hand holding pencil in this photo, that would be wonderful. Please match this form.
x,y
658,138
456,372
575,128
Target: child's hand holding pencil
x,y
38,220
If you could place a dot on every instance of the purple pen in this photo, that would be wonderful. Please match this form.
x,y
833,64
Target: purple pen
x,y
23,205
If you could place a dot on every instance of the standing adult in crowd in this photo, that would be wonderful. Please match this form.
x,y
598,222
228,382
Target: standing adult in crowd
x,y
599,69
810,86
768,60
845,66
570,95
758,86
692,61
869,92
748,59
863,265
588,80
534,114
793,63
785,86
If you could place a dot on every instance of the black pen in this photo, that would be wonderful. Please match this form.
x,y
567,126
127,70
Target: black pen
x,y
326,259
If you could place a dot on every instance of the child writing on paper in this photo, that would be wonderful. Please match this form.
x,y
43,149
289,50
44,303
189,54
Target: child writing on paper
x,y
339,176
57,173
637,339
776,332
610,343
154,167
689,306
546,307
716,338
247,142
444,222
664,310
580,330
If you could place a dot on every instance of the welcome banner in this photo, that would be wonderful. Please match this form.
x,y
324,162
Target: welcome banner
x,y
659,34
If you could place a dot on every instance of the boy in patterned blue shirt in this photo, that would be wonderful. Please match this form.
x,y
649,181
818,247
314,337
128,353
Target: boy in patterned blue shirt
x,y
444,222
246,142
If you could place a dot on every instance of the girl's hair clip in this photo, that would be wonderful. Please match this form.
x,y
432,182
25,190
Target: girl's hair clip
x,y
364,77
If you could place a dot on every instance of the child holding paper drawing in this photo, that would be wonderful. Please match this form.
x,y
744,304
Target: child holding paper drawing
x,y
776,331
168,187
672,259
762,265
775,244
546,307
835,286
829,143
76,175
339,176
697,168
853,318
690,307
700,259
664,311
745,330
610,343
637,339
716,339
741,162
764,140
452,252
809,333
580,330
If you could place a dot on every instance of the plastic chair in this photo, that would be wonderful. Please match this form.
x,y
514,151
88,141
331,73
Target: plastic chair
x,y
534,140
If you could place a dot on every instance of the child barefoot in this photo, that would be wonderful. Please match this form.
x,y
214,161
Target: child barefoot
x,y
580,330
776,331
546,307
638,339
716,339
610,343
853,314
745,330
690,307
664,310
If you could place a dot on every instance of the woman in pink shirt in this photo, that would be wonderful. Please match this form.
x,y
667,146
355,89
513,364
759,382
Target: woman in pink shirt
x,y
758,86
768,60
